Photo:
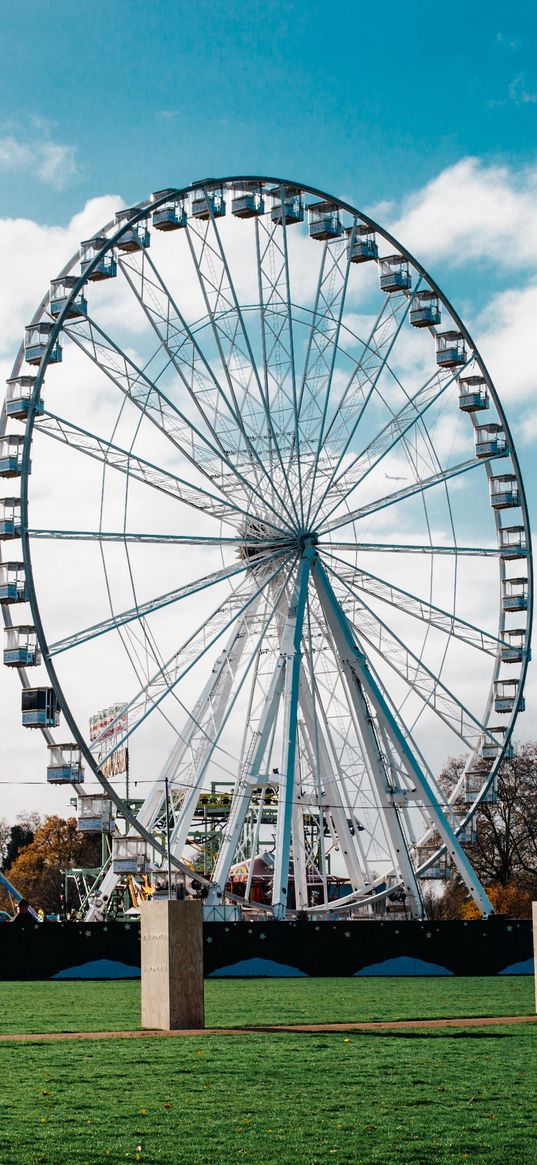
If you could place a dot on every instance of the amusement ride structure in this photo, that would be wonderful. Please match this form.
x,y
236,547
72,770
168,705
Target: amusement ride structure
x,y
261,486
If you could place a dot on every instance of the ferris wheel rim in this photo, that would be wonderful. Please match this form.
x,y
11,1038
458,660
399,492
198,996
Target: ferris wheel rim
x,y
142,210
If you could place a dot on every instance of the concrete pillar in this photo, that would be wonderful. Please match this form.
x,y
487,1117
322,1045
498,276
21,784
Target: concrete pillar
x,y
534,911
172,964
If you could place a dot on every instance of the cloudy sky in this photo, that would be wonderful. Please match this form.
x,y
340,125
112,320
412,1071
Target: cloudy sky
x,y
427,123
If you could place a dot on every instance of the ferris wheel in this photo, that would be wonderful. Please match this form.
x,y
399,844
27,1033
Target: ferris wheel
x,y
268,498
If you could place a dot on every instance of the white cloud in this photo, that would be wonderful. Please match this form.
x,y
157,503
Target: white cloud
x,y
518,93
505,331
473,210
53,162
32,254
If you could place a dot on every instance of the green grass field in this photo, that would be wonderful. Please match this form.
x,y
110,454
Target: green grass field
x,y
381,1098
109,1006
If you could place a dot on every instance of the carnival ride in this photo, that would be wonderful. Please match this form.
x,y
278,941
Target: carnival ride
x,y
269,490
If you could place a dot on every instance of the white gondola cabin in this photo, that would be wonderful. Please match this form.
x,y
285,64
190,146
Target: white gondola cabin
x,y
10,518
515,594
248,202
19,392
40,708
20,647
12,583
438,869
424,309
474,782
490,440
64,765
288,205
324,221
36,341
135,236
503,491
171,216
208,203
473,394
513,542
129,855
513,651
505,696
450,349
467,833
395,274
106,265
362,244
11,450
95,813
60,294
491,749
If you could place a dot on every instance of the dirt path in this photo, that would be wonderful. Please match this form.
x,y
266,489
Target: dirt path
x,y
385,1025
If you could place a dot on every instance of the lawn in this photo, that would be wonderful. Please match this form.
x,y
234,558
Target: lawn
x,y
362,1099
382,1098
115,1006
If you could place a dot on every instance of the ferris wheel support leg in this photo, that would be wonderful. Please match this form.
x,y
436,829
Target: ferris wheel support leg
x,y
292,654
208,714
317,747
377,768
299,855
249,779
355,666
217,686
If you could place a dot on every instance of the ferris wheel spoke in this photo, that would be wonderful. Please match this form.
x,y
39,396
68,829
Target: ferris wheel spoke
x,y
233,345
419,608
202,385
137,387
322,348
413,548
371,629
389,437
120,536
277,339
325,336
142,610
416,488
191,651
363,381
115,457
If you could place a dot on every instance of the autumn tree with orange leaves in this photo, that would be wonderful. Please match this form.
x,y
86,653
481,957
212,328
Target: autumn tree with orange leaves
x,y
37,871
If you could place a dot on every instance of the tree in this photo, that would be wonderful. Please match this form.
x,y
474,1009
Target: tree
x,y
37,871
5,834
504,852
19,836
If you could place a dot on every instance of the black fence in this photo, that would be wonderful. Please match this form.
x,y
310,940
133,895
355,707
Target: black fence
x,y
72,950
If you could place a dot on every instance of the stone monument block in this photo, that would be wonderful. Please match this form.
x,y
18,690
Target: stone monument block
x,y
172,964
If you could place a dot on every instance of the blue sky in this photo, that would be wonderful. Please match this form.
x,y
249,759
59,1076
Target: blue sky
x,y
371,107
427,119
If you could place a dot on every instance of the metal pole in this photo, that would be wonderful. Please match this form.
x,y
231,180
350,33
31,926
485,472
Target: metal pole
x,y
168,851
